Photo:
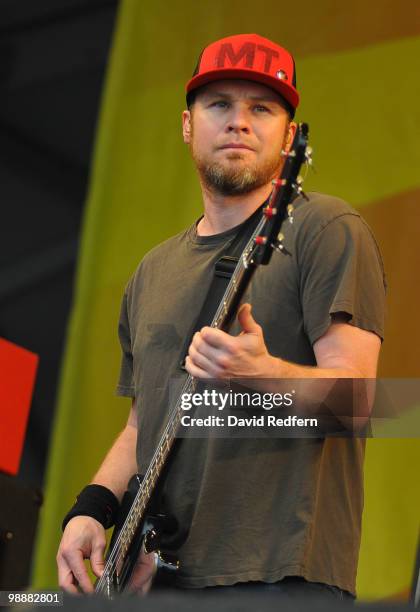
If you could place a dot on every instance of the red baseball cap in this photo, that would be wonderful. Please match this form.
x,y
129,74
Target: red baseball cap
x,y
251,57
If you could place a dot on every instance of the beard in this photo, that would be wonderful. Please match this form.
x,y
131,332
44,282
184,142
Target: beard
x,y
233,176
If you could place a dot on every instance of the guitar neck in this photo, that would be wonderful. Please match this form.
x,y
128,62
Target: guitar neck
x,y
237,287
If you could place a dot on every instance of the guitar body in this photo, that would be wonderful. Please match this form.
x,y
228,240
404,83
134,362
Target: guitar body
x,y
147,538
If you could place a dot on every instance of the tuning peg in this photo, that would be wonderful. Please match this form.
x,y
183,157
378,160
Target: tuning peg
x,y
299,189
308,155
297,186
278,245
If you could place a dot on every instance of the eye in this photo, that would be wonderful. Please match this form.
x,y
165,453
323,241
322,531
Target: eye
x,y
219,104
260,108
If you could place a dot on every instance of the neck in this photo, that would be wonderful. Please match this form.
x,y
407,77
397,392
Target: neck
x,y
221,213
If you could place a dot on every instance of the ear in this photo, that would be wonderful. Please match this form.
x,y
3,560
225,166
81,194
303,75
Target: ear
x,y
291,131
186,126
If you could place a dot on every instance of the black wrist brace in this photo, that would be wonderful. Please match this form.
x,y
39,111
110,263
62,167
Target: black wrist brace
x,y
96,501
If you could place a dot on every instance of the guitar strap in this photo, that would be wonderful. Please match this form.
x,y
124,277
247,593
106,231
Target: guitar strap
x,y
223,271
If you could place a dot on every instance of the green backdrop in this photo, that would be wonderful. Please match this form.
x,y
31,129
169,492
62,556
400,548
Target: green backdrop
x,y
357,70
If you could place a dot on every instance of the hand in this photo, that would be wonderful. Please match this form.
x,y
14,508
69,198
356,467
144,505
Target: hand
x,y
83,538
143,573
215,354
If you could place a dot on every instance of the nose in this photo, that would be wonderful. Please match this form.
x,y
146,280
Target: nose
x,y
238,121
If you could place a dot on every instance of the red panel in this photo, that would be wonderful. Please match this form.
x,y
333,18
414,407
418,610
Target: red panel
x,y
17,376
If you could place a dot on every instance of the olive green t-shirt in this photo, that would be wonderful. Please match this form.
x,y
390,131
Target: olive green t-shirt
x,y
256,509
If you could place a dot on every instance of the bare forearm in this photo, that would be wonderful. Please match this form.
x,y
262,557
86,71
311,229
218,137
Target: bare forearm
x,y
320,388
120,463
279,368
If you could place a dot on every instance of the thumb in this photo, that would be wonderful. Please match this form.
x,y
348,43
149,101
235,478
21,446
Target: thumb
x,y
97,561
246,320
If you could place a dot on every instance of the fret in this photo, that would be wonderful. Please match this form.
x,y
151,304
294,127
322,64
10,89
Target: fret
x,y
130,522
153,470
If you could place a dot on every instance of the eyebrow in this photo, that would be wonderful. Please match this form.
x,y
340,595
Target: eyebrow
x,y
258,98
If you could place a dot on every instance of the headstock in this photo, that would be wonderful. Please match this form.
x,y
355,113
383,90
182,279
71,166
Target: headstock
x,y
279,207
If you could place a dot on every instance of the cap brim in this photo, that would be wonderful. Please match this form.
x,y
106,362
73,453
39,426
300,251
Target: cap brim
x,y
286,90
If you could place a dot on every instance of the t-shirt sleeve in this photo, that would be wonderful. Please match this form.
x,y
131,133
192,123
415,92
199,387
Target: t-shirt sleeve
x,y
342,271
125,386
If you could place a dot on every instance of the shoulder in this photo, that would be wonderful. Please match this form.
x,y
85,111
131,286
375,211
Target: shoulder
x,y
156,259
327,226
320,209
325,216
165,250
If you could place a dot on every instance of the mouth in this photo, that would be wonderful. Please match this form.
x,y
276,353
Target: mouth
x,y
233,145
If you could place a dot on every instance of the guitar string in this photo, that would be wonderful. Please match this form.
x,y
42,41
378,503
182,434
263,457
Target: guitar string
x,y
139,500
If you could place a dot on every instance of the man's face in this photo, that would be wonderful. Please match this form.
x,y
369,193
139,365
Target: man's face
x,y
236,130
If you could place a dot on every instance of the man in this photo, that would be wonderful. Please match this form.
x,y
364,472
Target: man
x,y
279,512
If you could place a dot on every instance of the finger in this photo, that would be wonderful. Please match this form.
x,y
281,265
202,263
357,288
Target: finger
x,y
246,320
75,562
216,338
195,371
65,577
145,588
201,346
206,363
143,572
97,560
